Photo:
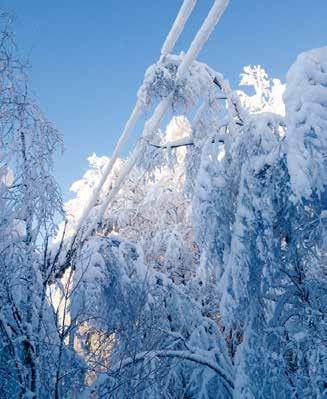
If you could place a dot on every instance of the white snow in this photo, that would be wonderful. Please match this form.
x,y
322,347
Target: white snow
x,y
178,26
306,102
202,36
268,96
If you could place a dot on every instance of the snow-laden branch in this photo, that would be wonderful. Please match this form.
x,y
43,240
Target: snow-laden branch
x,y
235,109
178,354
185,141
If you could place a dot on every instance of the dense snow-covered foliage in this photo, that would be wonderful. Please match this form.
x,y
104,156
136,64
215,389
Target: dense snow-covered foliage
x,y
306,100
196,267
268,93
31,339
209,274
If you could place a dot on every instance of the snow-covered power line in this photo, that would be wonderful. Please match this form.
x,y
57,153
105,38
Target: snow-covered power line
x,y
178,26
172,37
153,123
202,36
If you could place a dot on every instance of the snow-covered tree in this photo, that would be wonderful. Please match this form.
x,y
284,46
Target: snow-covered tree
x,y
221,290
30,201
195,267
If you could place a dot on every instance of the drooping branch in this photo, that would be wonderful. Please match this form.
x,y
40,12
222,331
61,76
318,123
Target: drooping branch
x,y
234,105
186,141
186,355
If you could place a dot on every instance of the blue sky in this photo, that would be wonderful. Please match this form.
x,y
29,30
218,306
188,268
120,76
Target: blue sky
x,y
88,57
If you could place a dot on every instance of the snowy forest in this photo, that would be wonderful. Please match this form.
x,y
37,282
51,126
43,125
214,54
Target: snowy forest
x,y
195,267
